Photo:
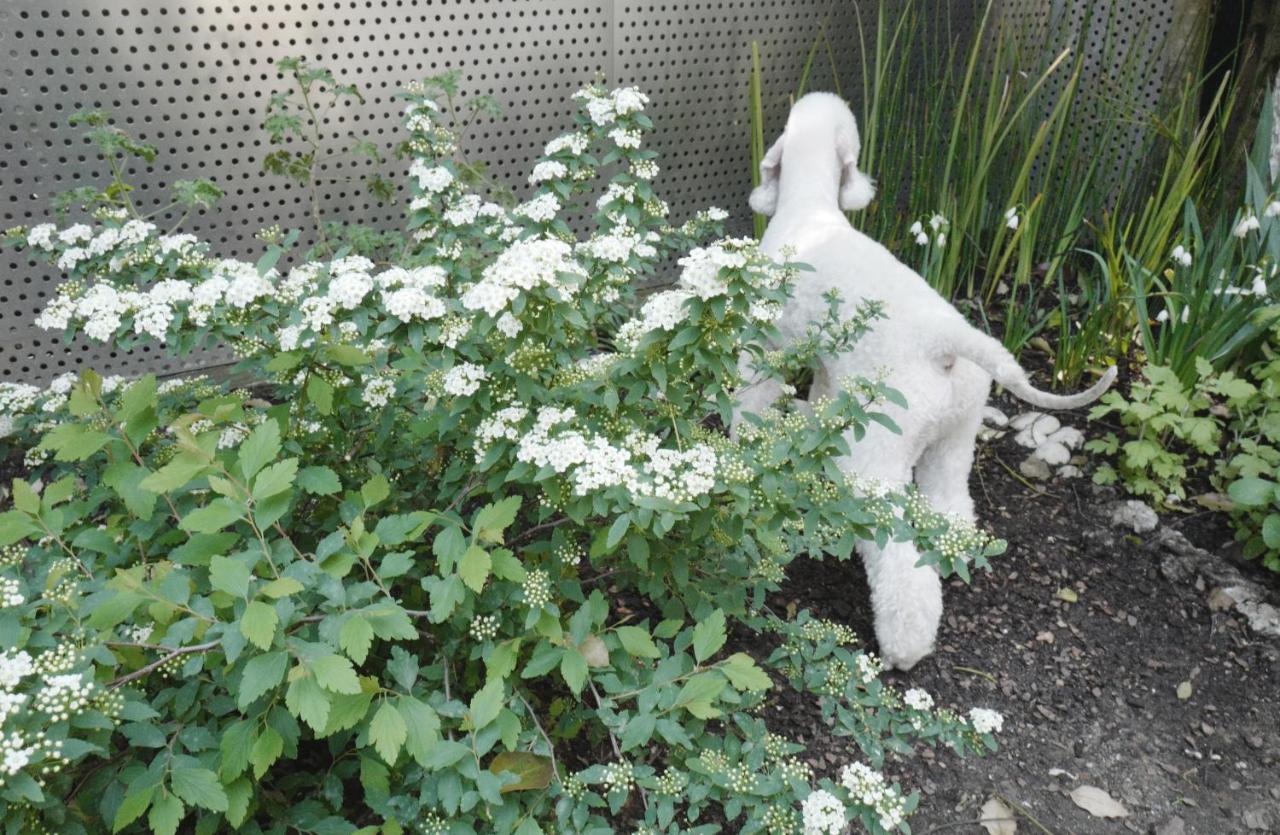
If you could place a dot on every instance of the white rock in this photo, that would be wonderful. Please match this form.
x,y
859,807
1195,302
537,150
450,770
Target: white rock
x,y
992,416
1033,467
986,433
1025,439
1069,471
1052,453
1069,437
1134,515
1044,427
1024,420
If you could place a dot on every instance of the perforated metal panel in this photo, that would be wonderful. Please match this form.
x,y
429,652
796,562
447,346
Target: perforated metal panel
x,y
193,79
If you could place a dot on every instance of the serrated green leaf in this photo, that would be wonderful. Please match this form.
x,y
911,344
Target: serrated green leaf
x,y
309,702
275,479
258,624
166,813
319,481
356,637
493,519
636,641
743,673
709,636
229,575
573,666
199,787
335,673
487,703
213,517
474,568
260,447
133,806
387,732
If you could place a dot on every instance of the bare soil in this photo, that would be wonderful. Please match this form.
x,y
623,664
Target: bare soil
x,y
1090,689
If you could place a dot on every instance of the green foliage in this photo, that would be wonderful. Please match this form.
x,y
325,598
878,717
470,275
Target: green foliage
x,y
1222,428
369,593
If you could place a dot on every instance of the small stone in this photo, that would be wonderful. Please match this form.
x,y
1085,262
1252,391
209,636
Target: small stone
x,y
1033,467
1069,437
1052,453
1024,420
1135,516
1069,471
1044,427
1173,826
987,434
993,417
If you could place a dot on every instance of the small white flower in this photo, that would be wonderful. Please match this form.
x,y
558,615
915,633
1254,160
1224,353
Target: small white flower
x,y
922,239
1248,223
1181,255
824,814
463,379
937,222
942,239
918,699
917,228
1011,219
1273,209
1162,316
986,721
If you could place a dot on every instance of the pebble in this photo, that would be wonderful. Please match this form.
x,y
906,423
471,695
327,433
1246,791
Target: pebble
x,y
1068,436
1069,471
1053,453
1135,516
1033,467
1173,826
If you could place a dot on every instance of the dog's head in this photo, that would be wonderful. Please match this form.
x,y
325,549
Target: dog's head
x,y
821,116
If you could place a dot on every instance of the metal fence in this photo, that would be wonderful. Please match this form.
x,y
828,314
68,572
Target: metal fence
x,y
192,77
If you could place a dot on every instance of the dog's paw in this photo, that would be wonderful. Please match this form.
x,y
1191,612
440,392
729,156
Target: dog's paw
x,y
905,656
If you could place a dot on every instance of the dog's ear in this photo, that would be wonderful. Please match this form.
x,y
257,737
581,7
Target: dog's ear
x,y
856,189
764,197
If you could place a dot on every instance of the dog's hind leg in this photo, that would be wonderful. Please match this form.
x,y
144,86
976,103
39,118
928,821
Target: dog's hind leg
x,y
942,473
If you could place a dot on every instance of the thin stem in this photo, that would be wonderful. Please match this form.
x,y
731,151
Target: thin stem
x,y
177,653
551,749
617,749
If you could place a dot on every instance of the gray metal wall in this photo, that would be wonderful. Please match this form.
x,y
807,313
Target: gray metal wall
x,y
193,78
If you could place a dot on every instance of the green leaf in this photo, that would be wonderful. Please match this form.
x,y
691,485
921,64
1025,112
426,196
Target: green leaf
x,y
449,546
184,467
262,446
493,519
424,728
258,624
335,673
320,393
281,587
355,638
487,703
573,666
235,744
132,808
261,674
267,748
709,636
698,694
229,575
636,641
73,442
275,479
375,490
319,481
617,531
199,787
126,478
307,701
533,771
212,517
474,568
1252,492
25,498
387,732
166,814
743,673
348,355
16,526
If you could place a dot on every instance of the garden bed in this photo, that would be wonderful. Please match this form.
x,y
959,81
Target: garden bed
x,y
1090,689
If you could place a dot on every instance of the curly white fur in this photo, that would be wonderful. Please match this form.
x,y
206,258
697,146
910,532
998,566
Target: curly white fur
x,y
942,365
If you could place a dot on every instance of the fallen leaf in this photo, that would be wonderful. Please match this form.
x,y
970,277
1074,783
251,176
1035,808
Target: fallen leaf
x,y
1068,595
1098,803
997,818
1215,501
1184,690
594,650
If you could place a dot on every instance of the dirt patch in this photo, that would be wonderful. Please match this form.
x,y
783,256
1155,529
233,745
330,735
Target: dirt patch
x,y
1090,689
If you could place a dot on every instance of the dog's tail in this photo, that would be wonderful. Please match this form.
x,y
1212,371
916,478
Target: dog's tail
x,y
989,354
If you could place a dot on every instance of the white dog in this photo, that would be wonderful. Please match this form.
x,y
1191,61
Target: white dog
x,y
942,365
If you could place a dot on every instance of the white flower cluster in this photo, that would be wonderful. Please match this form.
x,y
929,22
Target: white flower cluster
x,y
823,813
605,107
548,169
17,398
463,380
617,246
619,775
592,463
540,209
431,179
10,593
985,720
917,699
524,266
63,695
575,144
14,754
868,786
1181,256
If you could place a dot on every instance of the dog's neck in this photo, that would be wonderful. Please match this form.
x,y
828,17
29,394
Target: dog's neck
x,y
810,176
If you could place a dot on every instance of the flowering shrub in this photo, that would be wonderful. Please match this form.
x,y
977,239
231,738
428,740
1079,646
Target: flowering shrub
x,y
469,554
